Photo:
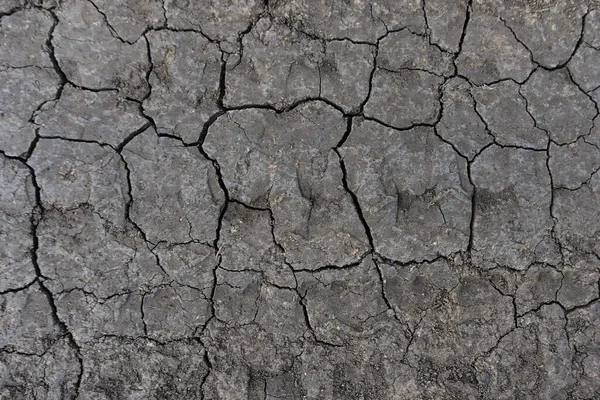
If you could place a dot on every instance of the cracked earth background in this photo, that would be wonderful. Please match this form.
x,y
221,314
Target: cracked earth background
x,y
286,200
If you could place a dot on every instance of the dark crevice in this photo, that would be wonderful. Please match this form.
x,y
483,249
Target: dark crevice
x,y
18,289
52,55
142,315
12,11
222,83
577,46
36,218
132,136
129,203
514,34
355,201
209,368
464,29
381,258
351,265
73,140
401,128
411,338
209,122
587,94
346,133
353,195
473,209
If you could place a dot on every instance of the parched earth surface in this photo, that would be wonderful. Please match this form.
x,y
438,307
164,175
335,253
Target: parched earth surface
x,y
319,199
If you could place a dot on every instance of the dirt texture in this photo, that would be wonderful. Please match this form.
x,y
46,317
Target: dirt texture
x,y
299,199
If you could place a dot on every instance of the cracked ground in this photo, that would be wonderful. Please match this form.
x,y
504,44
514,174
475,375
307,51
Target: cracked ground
x,y
319,199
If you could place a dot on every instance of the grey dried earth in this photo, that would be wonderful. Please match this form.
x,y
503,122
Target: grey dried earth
x,y
287,199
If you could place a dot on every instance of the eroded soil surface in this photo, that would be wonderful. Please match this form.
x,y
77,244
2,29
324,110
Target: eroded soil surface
x,y
324,199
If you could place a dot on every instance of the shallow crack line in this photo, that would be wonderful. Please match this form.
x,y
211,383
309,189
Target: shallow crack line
x,y
553,233
56,65
513,301
584,183
219,228
147,78
492,349
412,337
209,368
222,109
589,96
562,280
351,265
579,307
111,29
52,55
540,306
428,33
497,81
383,293
131,338
248,29
49,47
275,241
361,107
469,162
399,71
140,103
303,303
514,34
495,140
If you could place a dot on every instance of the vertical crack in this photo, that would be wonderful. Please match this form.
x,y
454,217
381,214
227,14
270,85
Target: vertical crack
x,y
36,218
383,293
464,30
213,118
217,249
362,105
142,314
353,195
473,208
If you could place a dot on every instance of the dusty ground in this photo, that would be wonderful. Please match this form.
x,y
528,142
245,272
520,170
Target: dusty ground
x,y
323,199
